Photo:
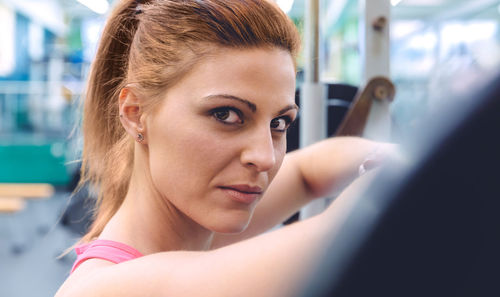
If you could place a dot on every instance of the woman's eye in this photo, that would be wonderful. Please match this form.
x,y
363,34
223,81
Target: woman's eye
x,y
227,116
280,124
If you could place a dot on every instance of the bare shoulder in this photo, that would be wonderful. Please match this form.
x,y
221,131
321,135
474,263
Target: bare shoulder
x,y
80,275
146,276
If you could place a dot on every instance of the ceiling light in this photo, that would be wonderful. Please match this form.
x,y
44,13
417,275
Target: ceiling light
x,y
285,5
98,6
395,2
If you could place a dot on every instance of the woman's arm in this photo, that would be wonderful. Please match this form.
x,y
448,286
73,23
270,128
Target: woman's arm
x,y
324,168
273,264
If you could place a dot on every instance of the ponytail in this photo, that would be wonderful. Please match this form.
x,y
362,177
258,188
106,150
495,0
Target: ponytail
x,y
107,151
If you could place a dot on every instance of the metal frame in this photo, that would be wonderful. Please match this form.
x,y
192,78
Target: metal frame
x,y
374,49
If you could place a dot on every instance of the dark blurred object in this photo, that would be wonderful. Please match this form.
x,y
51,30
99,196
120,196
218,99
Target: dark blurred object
x,y
340,100
77,217
340,97
432,229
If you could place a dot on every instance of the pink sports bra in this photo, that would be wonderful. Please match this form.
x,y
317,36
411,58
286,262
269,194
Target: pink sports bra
x,y
112,251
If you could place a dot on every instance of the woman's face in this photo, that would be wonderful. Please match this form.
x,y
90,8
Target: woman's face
x,y
218,138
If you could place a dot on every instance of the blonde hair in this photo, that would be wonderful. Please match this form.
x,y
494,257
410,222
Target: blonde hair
x,y
152,44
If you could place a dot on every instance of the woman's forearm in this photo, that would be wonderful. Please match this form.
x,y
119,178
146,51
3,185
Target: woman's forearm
x,y
331,165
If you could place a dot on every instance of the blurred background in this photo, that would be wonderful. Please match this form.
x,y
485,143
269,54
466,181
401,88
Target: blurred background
x,y
438,49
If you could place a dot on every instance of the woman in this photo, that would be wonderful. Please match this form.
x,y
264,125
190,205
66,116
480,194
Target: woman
x,y
206,90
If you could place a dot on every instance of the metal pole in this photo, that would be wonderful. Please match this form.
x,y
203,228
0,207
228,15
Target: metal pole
x,y
311,49
375,60
313,94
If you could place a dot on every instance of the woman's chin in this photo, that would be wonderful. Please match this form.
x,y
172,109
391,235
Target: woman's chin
x,y
231,229
230,226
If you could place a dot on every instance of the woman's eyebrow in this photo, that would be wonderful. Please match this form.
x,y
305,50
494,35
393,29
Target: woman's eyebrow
x,y
287,108
252,106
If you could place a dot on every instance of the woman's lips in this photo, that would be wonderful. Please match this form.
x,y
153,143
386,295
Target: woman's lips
x,y
242,193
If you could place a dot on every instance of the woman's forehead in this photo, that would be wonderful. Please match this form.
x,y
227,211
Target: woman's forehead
x,y
254,70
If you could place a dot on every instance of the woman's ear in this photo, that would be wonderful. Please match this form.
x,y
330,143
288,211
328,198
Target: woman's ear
x,y
131,114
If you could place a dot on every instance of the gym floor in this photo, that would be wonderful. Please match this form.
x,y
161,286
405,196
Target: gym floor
x,y
31,242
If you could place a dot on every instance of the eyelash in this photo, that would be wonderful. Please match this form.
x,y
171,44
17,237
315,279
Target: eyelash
x,y
213,112
288,123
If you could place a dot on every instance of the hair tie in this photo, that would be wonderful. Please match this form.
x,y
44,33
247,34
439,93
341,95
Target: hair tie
x,y
138,7
138,10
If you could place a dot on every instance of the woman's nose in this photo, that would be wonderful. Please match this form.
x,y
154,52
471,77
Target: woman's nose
x,y
259,151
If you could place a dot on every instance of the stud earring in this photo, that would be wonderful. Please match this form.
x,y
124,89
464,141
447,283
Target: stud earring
x,y
140,137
